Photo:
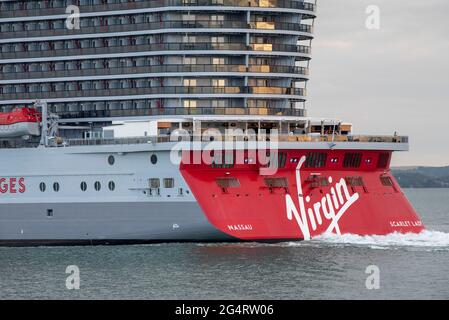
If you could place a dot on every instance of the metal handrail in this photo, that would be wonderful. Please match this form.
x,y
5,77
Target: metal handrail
x,y
280,138
165,47
147,68
5,10
153,91
154,25
173,111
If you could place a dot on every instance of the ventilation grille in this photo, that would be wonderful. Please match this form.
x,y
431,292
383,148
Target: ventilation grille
x,y
228,183
352,160
276,182
355,181
386,181
316,160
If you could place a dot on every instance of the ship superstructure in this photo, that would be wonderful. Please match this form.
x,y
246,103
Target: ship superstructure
x,y
177,120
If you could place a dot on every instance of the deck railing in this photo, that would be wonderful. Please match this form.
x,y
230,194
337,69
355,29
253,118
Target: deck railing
x,y
280,138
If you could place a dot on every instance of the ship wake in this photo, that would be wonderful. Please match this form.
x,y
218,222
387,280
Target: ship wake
x,y
427,239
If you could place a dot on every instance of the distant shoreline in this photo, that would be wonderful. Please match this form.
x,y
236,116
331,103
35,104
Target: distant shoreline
x,y
422,177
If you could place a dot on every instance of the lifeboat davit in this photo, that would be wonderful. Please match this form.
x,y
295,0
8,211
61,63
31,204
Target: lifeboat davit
x,y
20,122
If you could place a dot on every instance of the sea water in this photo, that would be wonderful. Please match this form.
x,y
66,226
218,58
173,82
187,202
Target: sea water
x,y
328,267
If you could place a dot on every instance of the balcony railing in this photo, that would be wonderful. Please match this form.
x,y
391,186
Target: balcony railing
x,y
191,25
123,112
26,8
197,68
287,48
280,138
156,91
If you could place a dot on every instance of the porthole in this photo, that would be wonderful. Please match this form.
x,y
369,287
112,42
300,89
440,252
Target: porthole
x,y
42,186
111,160
83,186
111,185
153,159
97,186
56,186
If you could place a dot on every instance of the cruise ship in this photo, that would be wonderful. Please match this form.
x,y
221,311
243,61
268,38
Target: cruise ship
x,y
139,121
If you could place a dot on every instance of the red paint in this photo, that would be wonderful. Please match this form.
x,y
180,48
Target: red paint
x,y
10,185
22,187
253,211
3,185
20,115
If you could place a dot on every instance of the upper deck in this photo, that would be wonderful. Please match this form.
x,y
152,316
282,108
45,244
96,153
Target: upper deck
x,y
199,131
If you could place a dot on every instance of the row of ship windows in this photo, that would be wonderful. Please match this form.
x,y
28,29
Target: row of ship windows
x,y
129,63
234,85
176,43
111,159
185,19
153,183
157,104
313,160
83,186
14,5
49,4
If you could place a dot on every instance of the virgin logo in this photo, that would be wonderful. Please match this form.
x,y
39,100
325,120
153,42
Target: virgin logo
x,y
331,207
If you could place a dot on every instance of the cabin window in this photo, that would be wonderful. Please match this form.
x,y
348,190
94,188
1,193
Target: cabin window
x,y
352,160
49,213
111,160
83,186
111,185
154,183
316,160
384,159
169,183
42,186
97,186
153,159
56,186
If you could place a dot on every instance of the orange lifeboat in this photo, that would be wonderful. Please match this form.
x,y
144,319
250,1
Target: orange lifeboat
x,y
20,122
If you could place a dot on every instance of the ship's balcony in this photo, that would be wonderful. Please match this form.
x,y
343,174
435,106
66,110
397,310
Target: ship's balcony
x,y
161,92
304,31
161,71
166,49
122,112
30,9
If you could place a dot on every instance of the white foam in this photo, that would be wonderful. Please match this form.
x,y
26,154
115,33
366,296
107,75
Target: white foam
x,y
426,239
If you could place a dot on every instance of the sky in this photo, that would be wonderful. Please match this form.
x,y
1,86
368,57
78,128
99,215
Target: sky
x,y
395,78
